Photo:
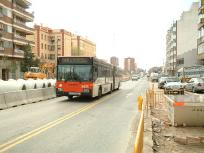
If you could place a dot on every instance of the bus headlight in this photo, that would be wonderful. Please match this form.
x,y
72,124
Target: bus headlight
x,y
86,90
60,89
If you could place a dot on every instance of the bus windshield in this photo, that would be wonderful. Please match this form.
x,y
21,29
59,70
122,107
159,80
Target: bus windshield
x,y
74,73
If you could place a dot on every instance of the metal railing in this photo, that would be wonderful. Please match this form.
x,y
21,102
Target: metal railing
x,y
140,131
154,97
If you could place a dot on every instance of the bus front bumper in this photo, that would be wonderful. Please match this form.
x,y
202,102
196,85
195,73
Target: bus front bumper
x,y
63,93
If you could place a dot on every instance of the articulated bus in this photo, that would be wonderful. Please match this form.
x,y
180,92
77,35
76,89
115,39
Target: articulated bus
x,y
85,76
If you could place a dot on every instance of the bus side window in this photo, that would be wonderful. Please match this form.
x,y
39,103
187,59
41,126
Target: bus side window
x,y
95,73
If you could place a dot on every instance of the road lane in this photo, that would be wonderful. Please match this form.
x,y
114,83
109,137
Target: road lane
x,y
106,127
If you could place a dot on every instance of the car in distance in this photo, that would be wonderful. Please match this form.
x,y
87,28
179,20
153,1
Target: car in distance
x,y
195,85
154,77
134,77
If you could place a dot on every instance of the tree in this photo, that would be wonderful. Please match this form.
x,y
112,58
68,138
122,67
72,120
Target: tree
x,y
155,70
29,59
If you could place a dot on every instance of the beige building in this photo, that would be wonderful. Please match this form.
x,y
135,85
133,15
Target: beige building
x,y
114,61
187,34
49,43
83,47
200,41
13,31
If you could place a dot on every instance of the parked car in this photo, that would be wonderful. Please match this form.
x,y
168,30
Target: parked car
x,y
195,85
163,80
172,87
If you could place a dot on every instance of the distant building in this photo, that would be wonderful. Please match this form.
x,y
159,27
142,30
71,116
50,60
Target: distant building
x,y
129,64
114,60
82,46
13,31
50,42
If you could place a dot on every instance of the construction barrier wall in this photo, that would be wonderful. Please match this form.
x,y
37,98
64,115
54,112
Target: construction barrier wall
x,y
11,99
185,110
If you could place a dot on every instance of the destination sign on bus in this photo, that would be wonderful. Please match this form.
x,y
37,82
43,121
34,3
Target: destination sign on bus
x,y
74,60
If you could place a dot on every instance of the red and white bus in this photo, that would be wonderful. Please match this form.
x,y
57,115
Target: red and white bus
x,y
85,76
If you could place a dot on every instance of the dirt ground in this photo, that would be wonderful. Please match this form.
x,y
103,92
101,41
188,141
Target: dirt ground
x,y
169,139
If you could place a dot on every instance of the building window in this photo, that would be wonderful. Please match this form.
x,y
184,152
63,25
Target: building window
x,y
45,37
45,47
1,12
41,45
9,13
9,29
8,44
52,56
58,47
41,36
42,56
52,48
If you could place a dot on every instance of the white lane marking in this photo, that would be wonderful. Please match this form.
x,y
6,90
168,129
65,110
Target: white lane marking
x,y
129,94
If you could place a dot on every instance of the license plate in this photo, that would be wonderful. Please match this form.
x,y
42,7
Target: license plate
x,y
74,93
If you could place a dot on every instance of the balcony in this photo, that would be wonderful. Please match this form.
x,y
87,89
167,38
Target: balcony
x,y
23,11
22,27
24,3
19,52
200,40
6,3
201,22
20,38
2,48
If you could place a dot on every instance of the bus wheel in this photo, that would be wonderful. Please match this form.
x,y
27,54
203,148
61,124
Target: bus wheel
x,y
99,92
70,97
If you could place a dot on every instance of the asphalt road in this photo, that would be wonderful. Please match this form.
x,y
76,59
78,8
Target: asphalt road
x,y
105,125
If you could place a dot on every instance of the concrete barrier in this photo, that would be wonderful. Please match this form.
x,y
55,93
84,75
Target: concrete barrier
x,y
34,95
46,93
49,93
185,110
2,102
52,92
10,99
15,98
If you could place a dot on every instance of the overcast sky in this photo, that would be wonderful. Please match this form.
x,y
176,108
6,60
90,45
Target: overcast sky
x,y
122,28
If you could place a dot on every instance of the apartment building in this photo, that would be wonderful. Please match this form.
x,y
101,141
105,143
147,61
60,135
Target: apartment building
x,y
200,41
187,35
50,43
181,41
83,47
171,49
114,60
129,65
13,31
